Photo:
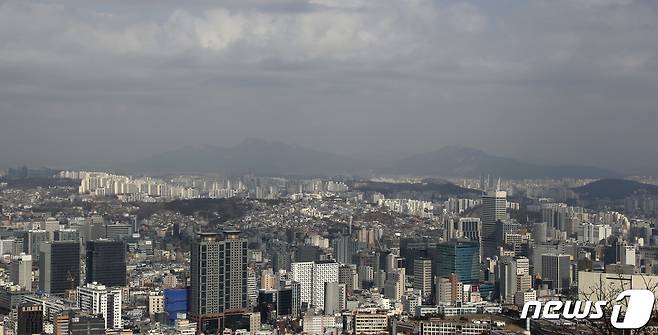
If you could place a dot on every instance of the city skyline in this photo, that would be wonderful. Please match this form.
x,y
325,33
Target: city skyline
x,y
325,167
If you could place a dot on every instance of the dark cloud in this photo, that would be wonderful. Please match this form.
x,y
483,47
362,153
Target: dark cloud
x,y
85,82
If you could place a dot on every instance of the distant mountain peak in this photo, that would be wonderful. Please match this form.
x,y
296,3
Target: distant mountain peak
x,y
263,157
461,161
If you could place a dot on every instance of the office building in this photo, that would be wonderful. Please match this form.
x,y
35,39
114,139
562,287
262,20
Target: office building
x,y
370,322
302,272
295,290
470,228
460,257
323,272
348,275
29,319
97,299
85,324
415,248
118,231
506,278
494,208
66,235
449,290
423,276
267,305
59,266
218,279
556,270
34,240
344,249
334,298
106,263
21,271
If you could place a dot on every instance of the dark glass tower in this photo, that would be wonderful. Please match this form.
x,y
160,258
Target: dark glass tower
x,y
461,257
106,262
59,266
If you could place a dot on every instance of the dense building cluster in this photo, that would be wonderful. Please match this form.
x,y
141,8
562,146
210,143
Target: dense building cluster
x,y
265,255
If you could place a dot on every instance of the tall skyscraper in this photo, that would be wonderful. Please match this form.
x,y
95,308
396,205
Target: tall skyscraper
x,y
494,207
323,272
460,257
235,273
59,266
423,276
344,249
106,263
218,279
302,272
506,276
556,268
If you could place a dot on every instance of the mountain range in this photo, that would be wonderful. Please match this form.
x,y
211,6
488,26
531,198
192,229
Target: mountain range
x,y
260,157
615,189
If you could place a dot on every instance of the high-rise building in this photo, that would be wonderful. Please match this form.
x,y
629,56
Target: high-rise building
x,y
59,266
21,271
285,301
29,319
34,240
218,279
323,272
295,289
118,231
494,207
506,276
85,324
95,298
334,298
344,249
106,263
395,284
155,303
66,235
267,305
347,274
423,276
471,228
461,257
252,287
415,248
267,279
302,272
281,260
449,290
540,232
556,269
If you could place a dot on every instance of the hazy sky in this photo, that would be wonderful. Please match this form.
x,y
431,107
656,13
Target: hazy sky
x,y
553,80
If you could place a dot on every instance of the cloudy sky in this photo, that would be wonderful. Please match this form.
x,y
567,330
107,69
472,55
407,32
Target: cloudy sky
x,y
93,82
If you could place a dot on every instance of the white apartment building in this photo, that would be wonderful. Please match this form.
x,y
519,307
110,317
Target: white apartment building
x,y
323,272
98,299
302,272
